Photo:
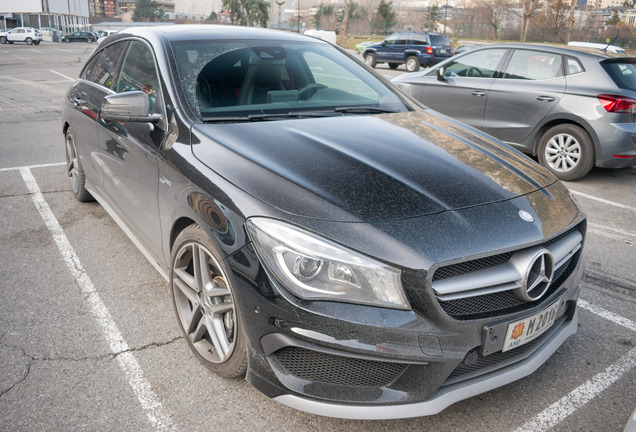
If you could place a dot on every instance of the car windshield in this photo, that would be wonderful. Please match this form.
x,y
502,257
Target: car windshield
x,y
622,72
237,80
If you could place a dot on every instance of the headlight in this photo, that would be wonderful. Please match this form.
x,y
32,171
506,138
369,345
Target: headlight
x,y
314,268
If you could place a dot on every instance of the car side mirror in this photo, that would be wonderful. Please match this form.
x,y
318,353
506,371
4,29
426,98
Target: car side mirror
x,y
440,74
130,106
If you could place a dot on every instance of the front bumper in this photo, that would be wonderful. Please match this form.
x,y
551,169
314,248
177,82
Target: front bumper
x,y
360,362
447,395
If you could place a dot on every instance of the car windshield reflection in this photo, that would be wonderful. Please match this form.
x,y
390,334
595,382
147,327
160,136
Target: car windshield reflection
x,y
239,81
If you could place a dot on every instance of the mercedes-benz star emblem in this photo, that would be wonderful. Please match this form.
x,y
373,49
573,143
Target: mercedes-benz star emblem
x,y
526,216
538,277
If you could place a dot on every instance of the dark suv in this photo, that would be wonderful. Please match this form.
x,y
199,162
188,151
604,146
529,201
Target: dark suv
x,y
410,49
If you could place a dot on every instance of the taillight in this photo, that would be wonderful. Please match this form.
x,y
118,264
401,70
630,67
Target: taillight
x,y
429,50
617,104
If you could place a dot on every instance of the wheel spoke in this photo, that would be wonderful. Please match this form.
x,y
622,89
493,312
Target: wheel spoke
x,y
216,330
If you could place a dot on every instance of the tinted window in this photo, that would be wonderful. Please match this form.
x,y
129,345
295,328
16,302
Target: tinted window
x,y
102,68
623,74
419,40
481,64
534,65
404,40
439,40
138,72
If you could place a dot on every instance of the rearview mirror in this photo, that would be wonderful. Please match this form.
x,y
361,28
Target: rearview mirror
x,y
130,106
440,74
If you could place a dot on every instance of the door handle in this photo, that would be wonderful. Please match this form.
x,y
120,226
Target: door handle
x,y
545,98
478,93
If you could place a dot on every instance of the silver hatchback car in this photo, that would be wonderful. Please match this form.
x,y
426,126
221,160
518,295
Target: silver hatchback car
x,y
572,108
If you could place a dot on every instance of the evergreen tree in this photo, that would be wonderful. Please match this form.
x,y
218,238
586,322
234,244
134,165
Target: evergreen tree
x,y
148,10
385,17
248,12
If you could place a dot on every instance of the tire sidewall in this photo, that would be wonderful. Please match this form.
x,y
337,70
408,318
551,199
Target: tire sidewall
x,y
586,162
412,64
235,366
370,60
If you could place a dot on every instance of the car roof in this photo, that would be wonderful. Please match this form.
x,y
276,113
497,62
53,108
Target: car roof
x,y
561,49
209,31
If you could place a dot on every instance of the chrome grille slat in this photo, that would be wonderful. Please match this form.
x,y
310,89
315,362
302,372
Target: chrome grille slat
x,y
501,278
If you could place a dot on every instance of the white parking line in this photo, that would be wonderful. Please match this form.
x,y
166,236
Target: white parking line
x,y
62,75
127,362
612,233
577,398
604,201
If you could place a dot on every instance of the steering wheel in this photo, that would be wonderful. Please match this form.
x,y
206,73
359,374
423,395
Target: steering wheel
x,y
474,72
308,91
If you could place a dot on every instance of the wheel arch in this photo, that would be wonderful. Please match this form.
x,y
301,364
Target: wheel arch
x,y
562,121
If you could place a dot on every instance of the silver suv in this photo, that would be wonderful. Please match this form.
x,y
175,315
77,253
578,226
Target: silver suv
x,y
572,108
21,34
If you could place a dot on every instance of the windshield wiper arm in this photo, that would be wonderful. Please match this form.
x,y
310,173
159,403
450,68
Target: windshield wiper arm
x,y
363,110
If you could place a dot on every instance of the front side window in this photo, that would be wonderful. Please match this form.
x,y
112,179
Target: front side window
x,y
534,65
480,64
138,72
102,68
232,78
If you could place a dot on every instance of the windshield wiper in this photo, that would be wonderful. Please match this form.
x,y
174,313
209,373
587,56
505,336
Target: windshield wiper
x,y
363,110
271,116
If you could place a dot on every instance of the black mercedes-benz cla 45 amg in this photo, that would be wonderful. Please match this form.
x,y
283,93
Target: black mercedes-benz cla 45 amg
x,y
348,251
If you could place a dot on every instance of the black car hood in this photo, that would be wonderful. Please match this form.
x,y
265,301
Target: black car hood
x,y
368,167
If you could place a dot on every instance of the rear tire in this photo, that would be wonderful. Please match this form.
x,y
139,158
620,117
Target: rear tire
x,y
29,41
370,60
3,40
412,64
567,151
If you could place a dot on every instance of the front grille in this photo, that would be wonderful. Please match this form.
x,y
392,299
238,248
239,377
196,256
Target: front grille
x,y
472,298
475,364
324,368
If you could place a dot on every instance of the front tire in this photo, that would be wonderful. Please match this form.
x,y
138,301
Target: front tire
x,y
37,42
567,151
412,64
370,60
74,169
206,305
393,65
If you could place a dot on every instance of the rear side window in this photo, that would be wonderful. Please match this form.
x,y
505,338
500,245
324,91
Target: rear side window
x,y
573,66
534,65
623,74
420,40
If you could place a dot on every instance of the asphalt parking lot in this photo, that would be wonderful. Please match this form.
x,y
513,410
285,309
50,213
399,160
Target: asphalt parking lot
x,y
88,338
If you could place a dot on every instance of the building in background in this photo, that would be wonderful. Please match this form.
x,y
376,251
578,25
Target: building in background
x,y
64,15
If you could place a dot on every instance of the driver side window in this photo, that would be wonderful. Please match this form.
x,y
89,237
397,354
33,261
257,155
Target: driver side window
x,y
482,64
138,72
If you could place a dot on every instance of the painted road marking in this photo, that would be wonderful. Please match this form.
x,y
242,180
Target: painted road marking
x,y
127,362
604,201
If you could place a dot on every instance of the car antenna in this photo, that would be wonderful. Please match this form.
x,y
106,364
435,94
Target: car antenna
x,y
612,41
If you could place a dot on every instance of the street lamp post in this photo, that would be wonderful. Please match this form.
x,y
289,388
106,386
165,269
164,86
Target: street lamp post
x,y
298,16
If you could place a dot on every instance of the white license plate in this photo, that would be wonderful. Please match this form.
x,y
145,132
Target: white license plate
x,y
442,51
523,331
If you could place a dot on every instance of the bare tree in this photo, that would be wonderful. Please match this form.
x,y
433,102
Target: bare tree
x,y
529,8
557,19
345,18
495,12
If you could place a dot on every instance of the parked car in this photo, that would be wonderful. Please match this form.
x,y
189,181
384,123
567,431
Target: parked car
x,y
572,108
348,252
363,45
410,49
29,35
80,36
